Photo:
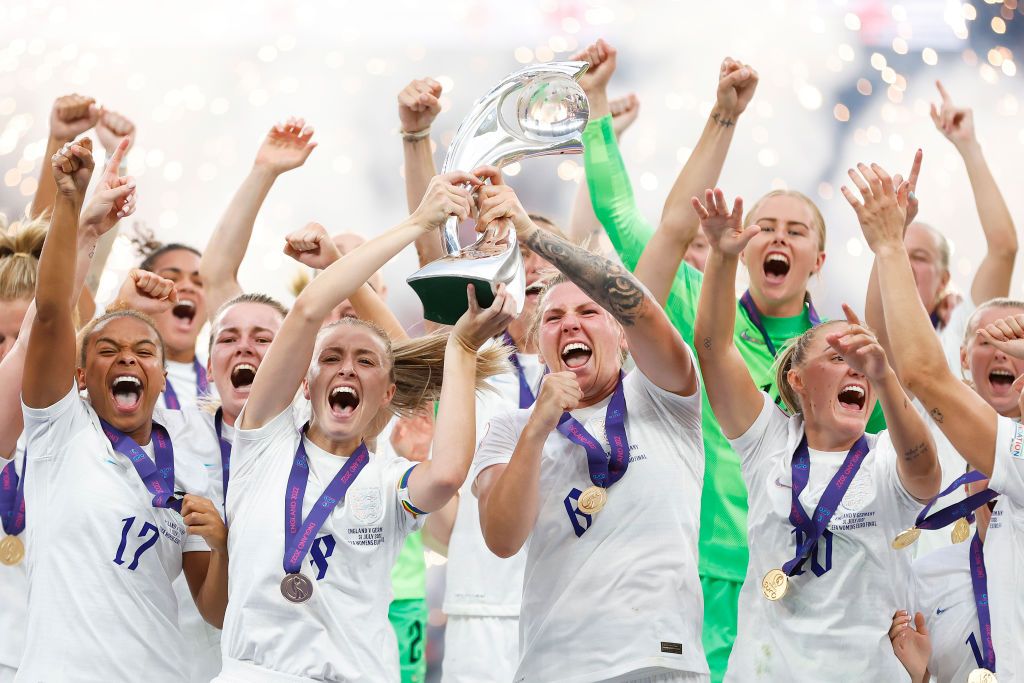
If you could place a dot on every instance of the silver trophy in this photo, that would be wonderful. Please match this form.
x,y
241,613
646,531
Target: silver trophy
x,y
535,111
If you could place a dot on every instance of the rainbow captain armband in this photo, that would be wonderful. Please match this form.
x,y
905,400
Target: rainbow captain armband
x,y
403,494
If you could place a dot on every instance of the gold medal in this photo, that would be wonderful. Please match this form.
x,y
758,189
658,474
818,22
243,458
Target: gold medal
x,y
961,530
775,584
592,500
12,551
906,538
981,676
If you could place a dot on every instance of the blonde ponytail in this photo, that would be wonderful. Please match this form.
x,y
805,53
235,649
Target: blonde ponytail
x,y
20,247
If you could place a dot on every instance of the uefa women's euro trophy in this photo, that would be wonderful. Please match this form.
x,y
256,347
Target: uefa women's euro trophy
x,y
535,111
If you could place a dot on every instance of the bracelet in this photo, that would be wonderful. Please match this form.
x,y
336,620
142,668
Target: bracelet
x,y
417,135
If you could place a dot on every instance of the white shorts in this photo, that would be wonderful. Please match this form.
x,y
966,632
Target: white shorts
x,y
480,649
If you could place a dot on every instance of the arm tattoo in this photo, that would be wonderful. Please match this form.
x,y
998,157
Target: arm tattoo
x,y
707,342
723,120
912,453
936,415
606,282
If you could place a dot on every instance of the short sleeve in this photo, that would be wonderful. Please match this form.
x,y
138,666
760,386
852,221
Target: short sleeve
x,y
769,431
498,444
683,410
397,471
48,430
1008,467
250,445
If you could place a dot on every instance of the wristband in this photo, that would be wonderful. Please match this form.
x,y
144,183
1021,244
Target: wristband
x,y
417,135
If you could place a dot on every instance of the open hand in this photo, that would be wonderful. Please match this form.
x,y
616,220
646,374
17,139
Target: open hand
x,y
859,348
114,197
723,228
883,213
287,146
911,643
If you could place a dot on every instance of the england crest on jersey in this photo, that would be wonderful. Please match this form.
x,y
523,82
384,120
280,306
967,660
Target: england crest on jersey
x,y
366,505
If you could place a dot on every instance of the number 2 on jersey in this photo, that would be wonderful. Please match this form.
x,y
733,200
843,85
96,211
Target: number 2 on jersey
x,y
147,528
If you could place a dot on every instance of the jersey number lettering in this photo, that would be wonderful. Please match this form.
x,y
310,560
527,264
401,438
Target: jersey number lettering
x,y
819,565
577,518
416,644
322,549
147,529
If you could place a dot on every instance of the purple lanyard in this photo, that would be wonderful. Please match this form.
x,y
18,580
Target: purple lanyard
x,y
225,451
12,499
526,397
603,471
964,509
813,528
158,478
298,537
979,581
202,387
747,302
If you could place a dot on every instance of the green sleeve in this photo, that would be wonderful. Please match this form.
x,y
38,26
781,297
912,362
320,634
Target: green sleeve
x,y
876,422
615,206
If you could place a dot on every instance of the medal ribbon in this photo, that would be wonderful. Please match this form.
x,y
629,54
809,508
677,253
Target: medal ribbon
x,y
526,397
159,477
965,508
12,499
202,387
225,451
603,471
979,581
814,527
299,536
747,302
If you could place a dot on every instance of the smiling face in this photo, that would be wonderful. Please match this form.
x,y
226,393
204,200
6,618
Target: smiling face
x,y
241,336
787,251
124,371
180,326
348,383
991,370
833,396
926,260
578,335
12,314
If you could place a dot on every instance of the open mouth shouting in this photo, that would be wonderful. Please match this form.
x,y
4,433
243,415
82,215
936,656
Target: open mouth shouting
x,y
852,397
1001,381
126,392
242,375
184,314
576,355
534,289
343,401
776,267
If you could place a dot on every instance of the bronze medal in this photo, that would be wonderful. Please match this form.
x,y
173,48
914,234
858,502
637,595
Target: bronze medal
x,y
296,588
906,538
961,530
592,500
775,584
12,551
981,676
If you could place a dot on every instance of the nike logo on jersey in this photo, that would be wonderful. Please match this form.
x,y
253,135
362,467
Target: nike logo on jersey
x,y
781,485
940,610
749,338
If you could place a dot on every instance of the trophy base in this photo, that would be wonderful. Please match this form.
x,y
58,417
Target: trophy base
x,y
444,296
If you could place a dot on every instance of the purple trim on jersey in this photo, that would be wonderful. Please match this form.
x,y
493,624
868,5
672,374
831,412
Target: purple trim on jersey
x,y
814,527
604,471
747,302
202,387
979,581
159,477
12,498
299,536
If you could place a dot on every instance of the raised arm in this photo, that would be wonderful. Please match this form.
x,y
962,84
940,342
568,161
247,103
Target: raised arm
x,y
434,482
50,360
12,370
917,460
655,345
287,146
963,416
70,116
679,224
732,393
418,106
992,279
288,358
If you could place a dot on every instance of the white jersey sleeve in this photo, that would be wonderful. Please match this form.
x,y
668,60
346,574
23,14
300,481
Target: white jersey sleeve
x,y
498,443
1008,468
250,445
759,443
396,472
48,428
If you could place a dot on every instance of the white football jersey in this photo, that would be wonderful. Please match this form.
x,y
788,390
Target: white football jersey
x,y
101,606
836,614
941,590
951,336
342,632
1004,550
182,376
13,588
617,592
